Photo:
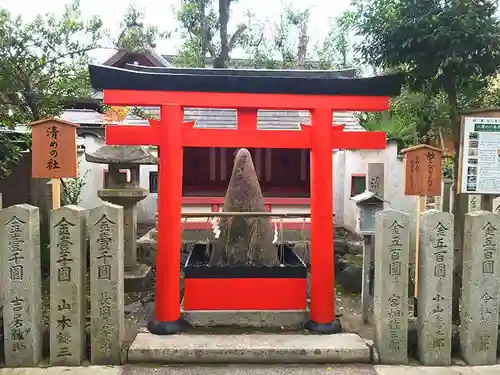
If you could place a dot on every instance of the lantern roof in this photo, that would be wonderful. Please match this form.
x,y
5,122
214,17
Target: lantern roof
x,y
121,155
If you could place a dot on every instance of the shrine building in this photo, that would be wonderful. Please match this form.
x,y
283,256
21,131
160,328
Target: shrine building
x,y
283,173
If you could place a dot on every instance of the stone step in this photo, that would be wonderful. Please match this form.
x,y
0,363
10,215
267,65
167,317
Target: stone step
x,y
252,348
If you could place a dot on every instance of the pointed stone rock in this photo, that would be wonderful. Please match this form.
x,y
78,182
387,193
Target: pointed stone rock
x,y
244,240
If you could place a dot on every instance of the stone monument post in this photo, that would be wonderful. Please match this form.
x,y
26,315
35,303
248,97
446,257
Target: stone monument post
x,y
480,306
106,284
123,188
436,288
474,202
68,262
390,305
22,284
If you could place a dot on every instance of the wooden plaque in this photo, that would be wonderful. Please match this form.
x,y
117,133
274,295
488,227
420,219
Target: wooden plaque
x,y
423,170
53,149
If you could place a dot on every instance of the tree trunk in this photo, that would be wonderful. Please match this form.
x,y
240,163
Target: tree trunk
x,y
203,30
460,201
223,57
302,45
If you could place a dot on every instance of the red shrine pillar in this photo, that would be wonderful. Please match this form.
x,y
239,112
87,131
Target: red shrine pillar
x,y
167,305
322,257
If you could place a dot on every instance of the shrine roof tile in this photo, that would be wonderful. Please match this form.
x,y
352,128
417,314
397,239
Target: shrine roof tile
x,y
246,72
242,81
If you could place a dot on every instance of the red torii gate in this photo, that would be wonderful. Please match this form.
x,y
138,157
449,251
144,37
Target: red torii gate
x,y
247,91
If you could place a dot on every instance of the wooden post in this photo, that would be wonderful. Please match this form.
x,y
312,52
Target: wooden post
x,y
322,256
420,209
167,308
56,193
423,177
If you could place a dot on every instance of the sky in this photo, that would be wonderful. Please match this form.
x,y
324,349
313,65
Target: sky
x,y
162,14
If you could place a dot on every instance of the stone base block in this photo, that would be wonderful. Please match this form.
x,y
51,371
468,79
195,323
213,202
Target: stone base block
x,y
287,319
249,349
135,279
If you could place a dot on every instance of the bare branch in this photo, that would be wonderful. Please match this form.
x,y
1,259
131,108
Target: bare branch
x,y
234,38
69,54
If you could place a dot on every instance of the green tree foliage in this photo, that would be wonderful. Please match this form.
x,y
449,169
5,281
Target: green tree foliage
x,y
336,51
491,93
72,188
397,129
415,117
135,36
204,26
43,65
449,46
11,147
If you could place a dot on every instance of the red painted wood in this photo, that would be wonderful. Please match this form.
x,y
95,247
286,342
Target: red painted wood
x,y
232,138
241,100
132,135
287,225
245,294
322,255
359,140
247,138
218,189
167,307
271,201
172,134
247,119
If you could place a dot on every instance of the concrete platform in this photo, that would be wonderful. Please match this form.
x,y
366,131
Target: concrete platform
x,y
282,319
255,370
246,349
252,370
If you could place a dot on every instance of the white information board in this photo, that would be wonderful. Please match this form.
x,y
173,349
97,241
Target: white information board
x,y
480,167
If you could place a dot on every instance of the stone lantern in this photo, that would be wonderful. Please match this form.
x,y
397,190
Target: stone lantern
x,y
126,193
